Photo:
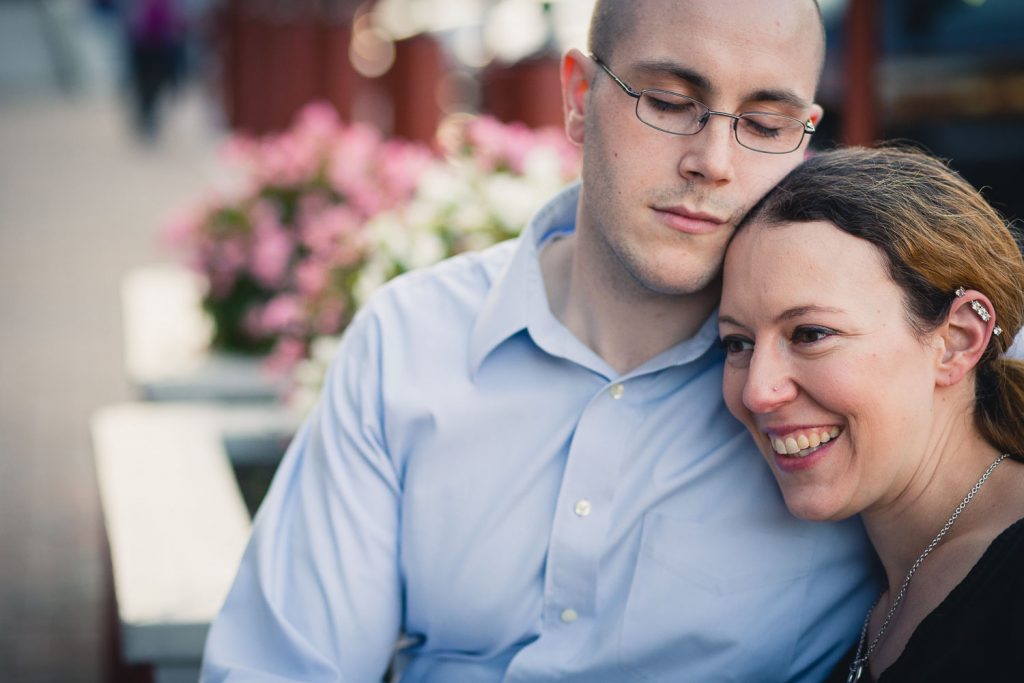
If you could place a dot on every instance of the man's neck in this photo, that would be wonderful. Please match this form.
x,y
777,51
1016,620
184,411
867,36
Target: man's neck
x,y
624,323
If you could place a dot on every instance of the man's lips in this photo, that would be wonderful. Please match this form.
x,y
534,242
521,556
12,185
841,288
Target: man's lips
x,y
692,222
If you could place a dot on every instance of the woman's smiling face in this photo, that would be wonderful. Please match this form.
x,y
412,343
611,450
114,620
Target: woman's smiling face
x,y
823,368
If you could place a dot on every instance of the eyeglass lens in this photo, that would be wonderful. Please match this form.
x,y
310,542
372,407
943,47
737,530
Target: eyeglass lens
x,y
674,113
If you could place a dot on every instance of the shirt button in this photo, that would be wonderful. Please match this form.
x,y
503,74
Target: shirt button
x,y
583,507
569,615
617,390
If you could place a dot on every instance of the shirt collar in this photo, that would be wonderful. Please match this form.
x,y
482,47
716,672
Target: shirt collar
x,y
518,301
518,293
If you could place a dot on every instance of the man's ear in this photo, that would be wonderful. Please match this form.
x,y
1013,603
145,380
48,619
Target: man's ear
x,y
577,72
964,337
816,115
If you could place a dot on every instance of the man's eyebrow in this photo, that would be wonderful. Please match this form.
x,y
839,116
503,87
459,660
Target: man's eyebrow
x,y
780,96
662,67
658,67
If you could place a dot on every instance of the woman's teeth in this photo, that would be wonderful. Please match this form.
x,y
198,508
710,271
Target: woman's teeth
x,y
803,444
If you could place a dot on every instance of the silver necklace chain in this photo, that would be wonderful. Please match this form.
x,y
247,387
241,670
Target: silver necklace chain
x,y
861,659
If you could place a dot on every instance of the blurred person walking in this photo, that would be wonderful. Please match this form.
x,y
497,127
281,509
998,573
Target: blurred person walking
x,y
156,39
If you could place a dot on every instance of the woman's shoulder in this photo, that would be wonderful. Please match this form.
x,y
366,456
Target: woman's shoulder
x,y
1000,567
974,633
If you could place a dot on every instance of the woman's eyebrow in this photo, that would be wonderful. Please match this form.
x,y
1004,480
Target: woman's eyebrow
x,y
788,314
730,320
799,311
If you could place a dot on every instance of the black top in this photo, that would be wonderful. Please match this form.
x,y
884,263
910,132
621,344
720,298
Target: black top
x,y
976,633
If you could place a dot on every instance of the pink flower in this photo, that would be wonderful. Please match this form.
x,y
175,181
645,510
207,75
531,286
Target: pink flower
x,y
182,229
401,165
310,205
370,197
282,313
495,144
323,232
224,263
329,318
285,355
240,151
348,251
286,160
251,324
317,123
351,156
272,247
311,277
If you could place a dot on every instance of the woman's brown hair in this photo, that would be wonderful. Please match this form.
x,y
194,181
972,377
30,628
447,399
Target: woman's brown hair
x,y
937,234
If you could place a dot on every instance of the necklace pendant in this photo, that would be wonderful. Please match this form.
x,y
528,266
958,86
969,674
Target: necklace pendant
x,y
855,673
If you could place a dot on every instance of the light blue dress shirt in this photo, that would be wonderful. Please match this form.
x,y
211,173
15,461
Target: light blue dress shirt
x,y
480,481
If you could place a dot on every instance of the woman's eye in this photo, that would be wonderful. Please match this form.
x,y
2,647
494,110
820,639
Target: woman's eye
x,y
735,345
810,335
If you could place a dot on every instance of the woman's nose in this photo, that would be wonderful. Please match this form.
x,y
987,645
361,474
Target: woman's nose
x,y
769,382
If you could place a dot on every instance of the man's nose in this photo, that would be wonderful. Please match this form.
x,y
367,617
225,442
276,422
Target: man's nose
x,y
709,154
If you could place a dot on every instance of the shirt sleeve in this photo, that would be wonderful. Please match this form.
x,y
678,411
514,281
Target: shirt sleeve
x,y
317,595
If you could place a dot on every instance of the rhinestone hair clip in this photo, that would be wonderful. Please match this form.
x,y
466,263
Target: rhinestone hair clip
x,y
980,309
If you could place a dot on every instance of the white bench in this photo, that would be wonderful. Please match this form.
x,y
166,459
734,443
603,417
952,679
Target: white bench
x,y
175,518
166,343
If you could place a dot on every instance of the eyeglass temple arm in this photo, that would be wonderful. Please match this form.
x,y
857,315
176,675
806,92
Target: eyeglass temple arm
x,y
629,91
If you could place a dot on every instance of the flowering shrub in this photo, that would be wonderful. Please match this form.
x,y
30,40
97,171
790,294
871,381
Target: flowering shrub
x,y
493,177
282,249
321,215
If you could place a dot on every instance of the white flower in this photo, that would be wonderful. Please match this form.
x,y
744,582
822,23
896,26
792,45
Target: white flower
x,y
476,241
322,349
423,215
511,199
427,248
302,400
543,169
470,216
374,273
308,374
442,184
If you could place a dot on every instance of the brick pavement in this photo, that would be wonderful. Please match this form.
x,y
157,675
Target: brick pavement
x,y
80,202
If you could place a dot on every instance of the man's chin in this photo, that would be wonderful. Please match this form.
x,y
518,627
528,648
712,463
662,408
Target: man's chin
x,y
679,284
682,274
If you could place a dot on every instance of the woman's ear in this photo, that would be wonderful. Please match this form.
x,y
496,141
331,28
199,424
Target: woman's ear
x,y
964,336
577,72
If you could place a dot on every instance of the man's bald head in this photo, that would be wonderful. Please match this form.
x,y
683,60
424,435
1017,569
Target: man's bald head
x,y
613,19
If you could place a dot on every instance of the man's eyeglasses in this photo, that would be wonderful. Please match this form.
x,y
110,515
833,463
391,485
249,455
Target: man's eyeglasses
x,y
671,112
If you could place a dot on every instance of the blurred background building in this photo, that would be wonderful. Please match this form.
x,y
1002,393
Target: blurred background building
x,y
944,74
111,112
